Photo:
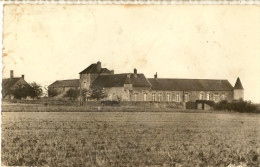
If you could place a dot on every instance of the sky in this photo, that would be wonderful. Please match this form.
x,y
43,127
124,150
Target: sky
x,y
55,42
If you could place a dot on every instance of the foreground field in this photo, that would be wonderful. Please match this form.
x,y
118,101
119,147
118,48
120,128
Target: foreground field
x,y
130,139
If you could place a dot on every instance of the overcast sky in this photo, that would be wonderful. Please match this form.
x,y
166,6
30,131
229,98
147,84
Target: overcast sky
x,y
56,42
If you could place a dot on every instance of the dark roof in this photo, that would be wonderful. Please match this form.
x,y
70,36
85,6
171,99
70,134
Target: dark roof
x,y
93,69
190,84
238,84
65,83
118,80
9,82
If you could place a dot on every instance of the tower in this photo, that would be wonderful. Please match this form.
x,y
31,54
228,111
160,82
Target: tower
x,y
88,75
238,90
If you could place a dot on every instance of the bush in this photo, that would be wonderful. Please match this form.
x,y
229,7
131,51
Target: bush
x,y
98,94
36,90
110,103
21,91
52,93
208,102
73,94
239,106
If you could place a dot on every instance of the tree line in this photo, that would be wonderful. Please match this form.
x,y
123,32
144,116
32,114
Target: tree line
x,y
35,91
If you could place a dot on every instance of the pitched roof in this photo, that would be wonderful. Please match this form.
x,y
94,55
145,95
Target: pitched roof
x,y
190,84
65,83
238,84
9,82
118,80
93,69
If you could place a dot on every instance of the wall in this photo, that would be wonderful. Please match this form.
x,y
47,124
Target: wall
x,y
117,92
192,95
88,79
50,101
195,95
238,94
62,90
139,92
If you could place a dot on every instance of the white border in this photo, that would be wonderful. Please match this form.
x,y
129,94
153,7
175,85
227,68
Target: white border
x,y
138,2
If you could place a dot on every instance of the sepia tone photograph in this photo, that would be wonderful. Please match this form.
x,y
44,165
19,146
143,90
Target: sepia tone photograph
x,y
130,85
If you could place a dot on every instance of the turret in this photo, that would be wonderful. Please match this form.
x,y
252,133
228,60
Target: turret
x,y
238,90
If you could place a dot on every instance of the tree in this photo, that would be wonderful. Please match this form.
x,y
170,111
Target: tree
x,y
21,91
52,92
35,90
98,94
73,94
85,94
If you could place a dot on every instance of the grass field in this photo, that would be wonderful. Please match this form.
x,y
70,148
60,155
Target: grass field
x,y
130,139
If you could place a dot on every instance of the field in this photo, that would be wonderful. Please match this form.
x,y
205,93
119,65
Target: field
x,y
130,139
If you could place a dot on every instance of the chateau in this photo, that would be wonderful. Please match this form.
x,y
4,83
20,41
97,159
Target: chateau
x,y
136,87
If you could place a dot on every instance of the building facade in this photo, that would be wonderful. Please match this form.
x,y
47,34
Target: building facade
x,y
10,84
136,87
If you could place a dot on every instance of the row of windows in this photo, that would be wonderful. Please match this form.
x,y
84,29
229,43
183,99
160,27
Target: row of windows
x,y
216,96
159,97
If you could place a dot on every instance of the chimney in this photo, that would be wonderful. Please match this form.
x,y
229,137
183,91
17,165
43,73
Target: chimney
x,y
112,72
23,76
99,66
135,71
155,76
11,74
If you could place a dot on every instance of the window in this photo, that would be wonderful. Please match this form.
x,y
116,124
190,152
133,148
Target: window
x,y
223,96
178,97
168,97
201,96
135,96
145,96
216,97
186,97
160,97
85,84
153,96
208,96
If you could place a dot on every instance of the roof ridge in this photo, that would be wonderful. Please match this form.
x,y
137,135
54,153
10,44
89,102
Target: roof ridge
x,y
189,79
67,79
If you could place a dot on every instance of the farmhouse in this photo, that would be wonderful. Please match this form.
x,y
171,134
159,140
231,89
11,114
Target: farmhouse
x,y
61,86
136,87
9,84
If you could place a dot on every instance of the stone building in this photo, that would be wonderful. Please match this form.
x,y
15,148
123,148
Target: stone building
x,y
126,87
87,76
61,86
136,87
9,84
184,90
